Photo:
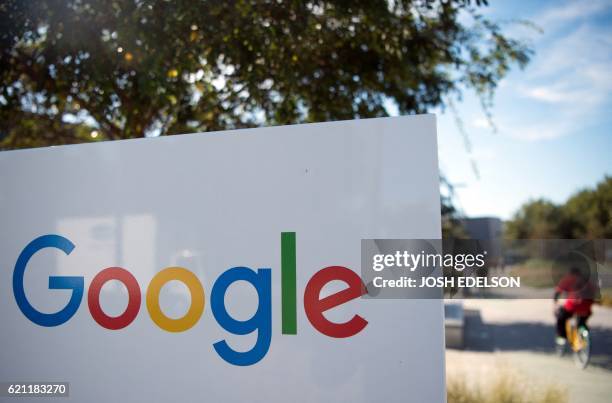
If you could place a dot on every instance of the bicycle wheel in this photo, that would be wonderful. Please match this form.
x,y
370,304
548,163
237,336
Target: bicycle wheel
x,y
583,354
560,348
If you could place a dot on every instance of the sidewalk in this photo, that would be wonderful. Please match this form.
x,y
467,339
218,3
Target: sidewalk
x,y
517,336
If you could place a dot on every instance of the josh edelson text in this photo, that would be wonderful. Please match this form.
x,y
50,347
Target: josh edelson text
x,y
461,271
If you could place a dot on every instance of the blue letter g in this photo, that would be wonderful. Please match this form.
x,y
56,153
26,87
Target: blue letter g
x,y
55,283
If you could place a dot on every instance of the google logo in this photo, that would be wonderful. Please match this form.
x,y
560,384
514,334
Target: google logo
x,y
260,280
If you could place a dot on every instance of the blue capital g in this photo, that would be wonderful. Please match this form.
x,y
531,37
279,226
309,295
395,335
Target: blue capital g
x,y
76,284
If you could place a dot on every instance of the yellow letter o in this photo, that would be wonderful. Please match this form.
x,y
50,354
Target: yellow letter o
x,y
197,299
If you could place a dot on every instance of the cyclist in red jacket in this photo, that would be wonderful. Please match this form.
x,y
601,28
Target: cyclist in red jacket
x,y
580,295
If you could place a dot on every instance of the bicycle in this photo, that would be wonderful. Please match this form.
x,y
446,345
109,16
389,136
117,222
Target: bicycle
x,y
579,341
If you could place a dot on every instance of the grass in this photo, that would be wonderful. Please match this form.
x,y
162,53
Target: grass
x,y
606,292
537,273
606,297
504,388
534,273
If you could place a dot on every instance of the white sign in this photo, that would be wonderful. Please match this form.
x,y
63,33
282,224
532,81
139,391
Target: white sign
x,y
219,267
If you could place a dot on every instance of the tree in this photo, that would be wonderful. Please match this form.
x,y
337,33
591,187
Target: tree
x,y
451,216
588,213
585,215
84,70
538,219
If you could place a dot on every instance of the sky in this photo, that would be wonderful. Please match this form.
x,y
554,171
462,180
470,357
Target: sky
x,y
553,119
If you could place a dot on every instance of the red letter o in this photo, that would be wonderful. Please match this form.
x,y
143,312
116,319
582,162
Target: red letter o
x,y
93,298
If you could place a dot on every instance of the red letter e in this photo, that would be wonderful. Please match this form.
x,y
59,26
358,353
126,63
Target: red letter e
x,y
315,307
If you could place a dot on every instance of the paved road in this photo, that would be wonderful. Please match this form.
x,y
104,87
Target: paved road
x,y
517,336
